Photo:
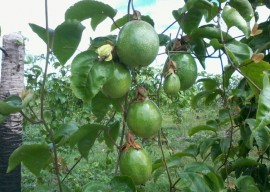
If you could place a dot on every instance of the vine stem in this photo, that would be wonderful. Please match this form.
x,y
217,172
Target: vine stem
x,y
122,135
42,92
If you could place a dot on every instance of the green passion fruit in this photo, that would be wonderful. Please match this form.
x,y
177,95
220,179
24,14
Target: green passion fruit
x,y
171,84
137,164
186,69
144,118
137,43
119,84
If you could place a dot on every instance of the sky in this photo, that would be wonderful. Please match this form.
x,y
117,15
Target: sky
x,y
15,15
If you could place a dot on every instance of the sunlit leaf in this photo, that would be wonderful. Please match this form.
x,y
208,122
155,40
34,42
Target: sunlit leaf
x,y
232,18
35,157
99,41
244,7
87,9
66,39
210,32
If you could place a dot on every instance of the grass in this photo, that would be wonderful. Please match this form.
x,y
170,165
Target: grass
x,y
101,162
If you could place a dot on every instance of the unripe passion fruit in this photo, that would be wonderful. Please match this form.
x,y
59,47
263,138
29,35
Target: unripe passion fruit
x,y
144,118
137,43
119,84
186,69
171,84
137,164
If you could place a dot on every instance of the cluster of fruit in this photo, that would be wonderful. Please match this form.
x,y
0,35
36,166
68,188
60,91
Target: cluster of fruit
x,y
137,45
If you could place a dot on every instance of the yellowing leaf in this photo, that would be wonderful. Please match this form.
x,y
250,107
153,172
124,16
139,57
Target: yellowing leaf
x,y
257,57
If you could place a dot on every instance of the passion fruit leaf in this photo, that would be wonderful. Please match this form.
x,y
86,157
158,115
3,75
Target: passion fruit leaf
x,y
3,118
163,39
209,32
193,181
99,41
246,183
244,8
122,183
88,75
95,187
214,181
205,145
199,128
111,134
42,33
189,20
100,106
232,18
12,104
228,72
208,83
85,138
199,49
86,9
64,132
66,39
35,157
262,137
238,51
123,20
50,187
254,71
27,96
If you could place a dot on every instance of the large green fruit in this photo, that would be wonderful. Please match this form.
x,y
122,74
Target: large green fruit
x,y
144,118
137,43
119,84
186,69
171,84
137,164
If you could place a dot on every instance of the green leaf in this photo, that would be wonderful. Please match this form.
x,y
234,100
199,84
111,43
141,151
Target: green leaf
x,y
205,146
262,137
88,75
199,128
122,183
35,157
95,186
99,41
225,144
86,9
194,181
208,83
232,18
3,118
123,20
163,39
66,39
189,20
238,52
254,71
65,131
85,138
244,8
42,33
209,32
228,72
246,183
12,104
111,134
100,106
224,115
199,49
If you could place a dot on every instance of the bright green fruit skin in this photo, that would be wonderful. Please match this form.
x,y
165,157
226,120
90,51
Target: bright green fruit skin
x,y
186,69
137,164
144,118
171,84
137,43
119,84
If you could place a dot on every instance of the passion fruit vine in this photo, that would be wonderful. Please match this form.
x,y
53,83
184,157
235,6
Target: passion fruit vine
x,y
137,43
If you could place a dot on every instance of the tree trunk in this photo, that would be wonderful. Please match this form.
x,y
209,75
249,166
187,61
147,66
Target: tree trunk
x,y
11,130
